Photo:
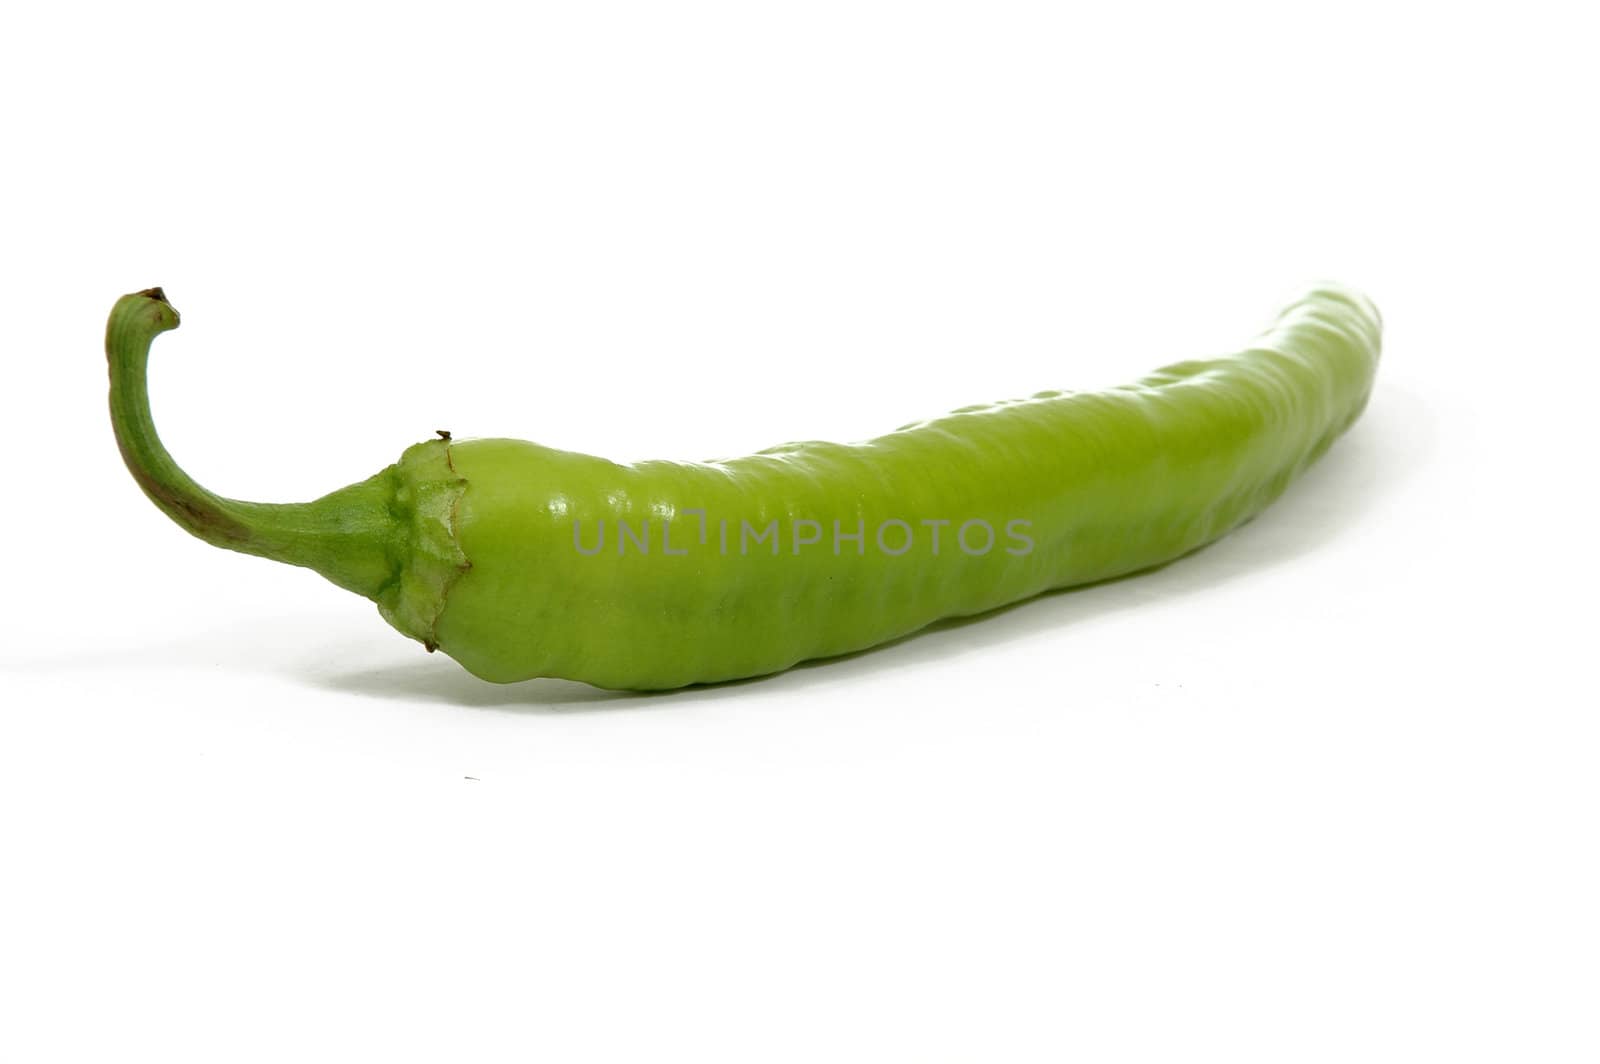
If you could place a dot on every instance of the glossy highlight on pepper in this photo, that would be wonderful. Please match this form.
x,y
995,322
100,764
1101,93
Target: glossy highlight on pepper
x,y
486,549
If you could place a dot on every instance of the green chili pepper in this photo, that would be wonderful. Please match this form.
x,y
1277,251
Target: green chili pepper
x,y
519,560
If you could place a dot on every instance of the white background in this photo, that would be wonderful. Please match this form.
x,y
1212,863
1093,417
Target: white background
x,y
1327,791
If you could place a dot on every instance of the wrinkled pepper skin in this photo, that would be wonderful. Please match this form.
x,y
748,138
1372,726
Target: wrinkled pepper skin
x,y
520,560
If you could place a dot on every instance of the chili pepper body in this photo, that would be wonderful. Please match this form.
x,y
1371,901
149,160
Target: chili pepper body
x,y
520,560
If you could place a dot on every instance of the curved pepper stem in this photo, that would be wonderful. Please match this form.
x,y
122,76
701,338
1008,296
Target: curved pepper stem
x,y
351,536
